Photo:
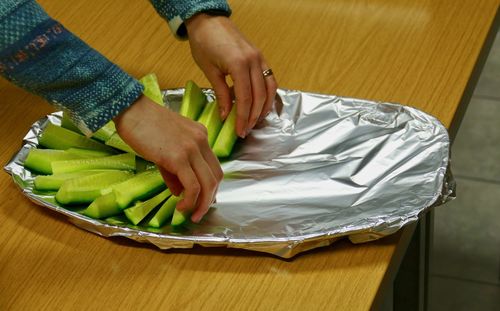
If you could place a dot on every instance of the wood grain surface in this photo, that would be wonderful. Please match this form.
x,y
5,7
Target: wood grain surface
x,y
415,52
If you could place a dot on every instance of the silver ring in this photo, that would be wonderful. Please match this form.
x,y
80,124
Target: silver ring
x,y
267,72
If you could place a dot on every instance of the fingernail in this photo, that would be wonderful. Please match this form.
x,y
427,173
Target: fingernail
x,y
196,219
242,133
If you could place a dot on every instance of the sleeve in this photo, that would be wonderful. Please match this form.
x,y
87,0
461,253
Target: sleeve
x,y
38,54
175,12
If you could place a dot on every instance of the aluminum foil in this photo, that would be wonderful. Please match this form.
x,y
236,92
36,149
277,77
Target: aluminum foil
x,y
319,167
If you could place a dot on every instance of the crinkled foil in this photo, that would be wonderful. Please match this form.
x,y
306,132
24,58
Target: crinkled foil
x,y
319,167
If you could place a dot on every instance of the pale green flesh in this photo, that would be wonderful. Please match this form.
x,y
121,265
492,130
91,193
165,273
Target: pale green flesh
x,y
118,220
87,188
141,186
125,161
143,165
152,88
211,119
179,218
67,123
40,160
117,142
105,132
227,137
56,137
54,182
88,153
193,101
165,212
203,118
102,207
140,210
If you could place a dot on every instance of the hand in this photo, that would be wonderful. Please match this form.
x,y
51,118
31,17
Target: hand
x,y
220,49
179,147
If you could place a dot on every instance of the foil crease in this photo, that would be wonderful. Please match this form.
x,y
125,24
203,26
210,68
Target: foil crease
x,y
319,167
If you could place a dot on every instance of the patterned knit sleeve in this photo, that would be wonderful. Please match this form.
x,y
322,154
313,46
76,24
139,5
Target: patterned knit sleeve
x,y
38,54
175,12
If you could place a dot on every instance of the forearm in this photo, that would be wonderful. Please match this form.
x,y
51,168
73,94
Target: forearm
x,y
40,55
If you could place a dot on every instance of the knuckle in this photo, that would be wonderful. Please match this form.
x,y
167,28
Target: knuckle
x,y
212,183
188,147
176,158
194,189
202,129
240,61
200,137
219,175
192,148
253,54
245,98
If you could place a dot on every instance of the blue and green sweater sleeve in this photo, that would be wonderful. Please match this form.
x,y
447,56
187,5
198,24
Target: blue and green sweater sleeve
x,y
38,54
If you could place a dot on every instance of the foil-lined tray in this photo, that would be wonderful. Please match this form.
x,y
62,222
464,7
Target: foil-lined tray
x,y
319,167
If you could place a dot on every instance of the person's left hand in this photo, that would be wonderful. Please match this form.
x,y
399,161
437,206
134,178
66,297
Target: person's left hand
x,y
220,49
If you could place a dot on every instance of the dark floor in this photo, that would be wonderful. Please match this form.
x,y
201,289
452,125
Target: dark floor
x,y
465,262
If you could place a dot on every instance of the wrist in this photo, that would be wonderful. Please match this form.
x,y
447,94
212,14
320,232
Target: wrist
x,y
130,117
202,19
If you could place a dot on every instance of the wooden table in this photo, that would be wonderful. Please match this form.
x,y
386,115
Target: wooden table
x,y
422,53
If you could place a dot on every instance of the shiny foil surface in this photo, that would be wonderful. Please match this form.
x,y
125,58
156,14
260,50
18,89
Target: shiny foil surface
x,y
319,167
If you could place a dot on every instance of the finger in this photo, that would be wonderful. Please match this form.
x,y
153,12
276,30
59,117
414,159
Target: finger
x,y
172,182
206,152
213,164
222,92
259,94
271,87
208,185
191,186
243,94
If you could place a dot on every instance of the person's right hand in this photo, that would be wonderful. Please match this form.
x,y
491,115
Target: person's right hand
x,y
179,147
